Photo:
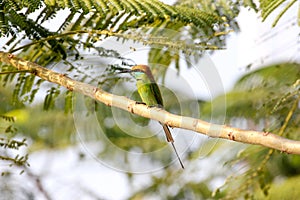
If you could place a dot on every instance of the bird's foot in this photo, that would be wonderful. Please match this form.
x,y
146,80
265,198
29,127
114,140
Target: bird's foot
x,y
156,106
140,102
152,106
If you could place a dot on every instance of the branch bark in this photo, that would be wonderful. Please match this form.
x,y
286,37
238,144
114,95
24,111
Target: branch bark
x,y
212,130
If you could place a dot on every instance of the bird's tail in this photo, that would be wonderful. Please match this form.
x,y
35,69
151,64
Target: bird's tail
x,y
170,139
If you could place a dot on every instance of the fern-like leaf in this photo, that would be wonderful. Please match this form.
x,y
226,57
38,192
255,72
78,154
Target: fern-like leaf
x,y
268,6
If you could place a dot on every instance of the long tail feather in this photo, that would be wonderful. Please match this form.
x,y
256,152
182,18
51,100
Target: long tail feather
x,y
182,166
170,139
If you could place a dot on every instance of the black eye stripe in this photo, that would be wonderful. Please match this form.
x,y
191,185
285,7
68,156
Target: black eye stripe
x,y
138,70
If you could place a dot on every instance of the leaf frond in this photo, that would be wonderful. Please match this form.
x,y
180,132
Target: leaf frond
x,y
268,6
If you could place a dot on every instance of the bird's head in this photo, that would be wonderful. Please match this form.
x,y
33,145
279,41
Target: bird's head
x,y
142,72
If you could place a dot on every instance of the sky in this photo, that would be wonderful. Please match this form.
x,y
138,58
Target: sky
x,y
258,44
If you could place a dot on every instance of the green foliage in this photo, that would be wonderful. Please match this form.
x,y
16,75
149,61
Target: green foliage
x,y
9,146
81,28
52,94
282,189
268,6
264,99
48,129
264,93
25,88
190,190
7,118
68,101
228,9
120,16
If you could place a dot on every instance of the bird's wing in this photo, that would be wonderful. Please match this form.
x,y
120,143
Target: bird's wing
x,y
155,90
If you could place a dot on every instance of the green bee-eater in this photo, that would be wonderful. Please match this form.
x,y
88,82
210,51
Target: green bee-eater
x,y
151,96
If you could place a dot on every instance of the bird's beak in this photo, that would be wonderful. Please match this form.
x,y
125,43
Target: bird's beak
x,y
123,70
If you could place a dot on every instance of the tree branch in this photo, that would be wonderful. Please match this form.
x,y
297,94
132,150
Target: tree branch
x,y
212,130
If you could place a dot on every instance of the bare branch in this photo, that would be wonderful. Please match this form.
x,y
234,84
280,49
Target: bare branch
x,y
212,130
37,180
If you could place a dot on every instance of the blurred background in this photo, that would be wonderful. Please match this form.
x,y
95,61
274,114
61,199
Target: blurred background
x,y
100,152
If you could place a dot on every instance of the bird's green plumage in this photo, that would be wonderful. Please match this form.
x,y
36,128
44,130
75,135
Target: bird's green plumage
x,y
147,88
150,95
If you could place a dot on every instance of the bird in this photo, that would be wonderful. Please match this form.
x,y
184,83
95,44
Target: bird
x,y
150,94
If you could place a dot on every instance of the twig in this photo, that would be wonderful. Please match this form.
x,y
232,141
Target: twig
x,y
38,183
